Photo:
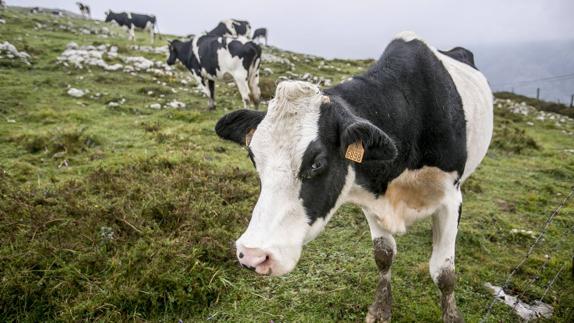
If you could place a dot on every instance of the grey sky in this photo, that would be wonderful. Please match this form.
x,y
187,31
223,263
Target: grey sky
x,y
357,29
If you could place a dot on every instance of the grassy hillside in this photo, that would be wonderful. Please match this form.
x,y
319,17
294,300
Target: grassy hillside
x,y
112,210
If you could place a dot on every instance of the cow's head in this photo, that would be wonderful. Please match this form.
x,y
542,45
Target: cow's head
x,y
172,45
108,15
298,148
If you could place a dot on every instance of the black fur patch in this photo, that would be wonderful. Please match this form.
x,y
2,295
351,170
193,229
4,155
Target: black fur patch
x,y
408,95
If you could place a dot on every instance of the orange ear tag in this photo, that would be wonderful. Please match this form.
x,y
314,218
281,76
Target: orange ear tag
x,y
355,152
248,136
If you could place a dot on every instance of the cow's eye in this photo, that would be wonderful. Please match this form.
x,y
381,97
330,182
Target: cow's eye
x,y
316,168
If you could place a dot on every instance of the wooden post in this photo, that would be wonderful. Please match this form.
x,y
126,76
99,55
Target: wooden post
x,y
537,94
571,101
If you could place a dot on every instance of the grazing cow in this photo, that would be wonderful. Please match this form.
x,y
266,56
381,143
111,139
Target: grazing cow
x,y
84,10
232,28
398,141
209,58
131,21
260,33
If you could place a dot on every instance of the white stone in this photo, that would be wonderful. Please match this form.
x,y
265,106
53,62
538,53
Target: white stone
x,y
77,93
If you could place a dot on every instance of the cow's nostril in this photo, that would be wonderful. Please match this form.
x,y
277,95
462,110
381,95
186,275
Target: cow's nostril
x,y
266,257
240,255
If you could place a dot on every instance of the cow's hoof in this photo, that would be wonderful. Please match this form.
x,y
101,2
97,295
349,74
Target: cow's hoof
x,y
376,315
453,316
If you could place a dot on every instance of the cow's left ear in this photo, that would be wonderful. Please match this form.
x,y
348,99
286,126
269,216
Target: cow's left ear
x,y
237,125
363,141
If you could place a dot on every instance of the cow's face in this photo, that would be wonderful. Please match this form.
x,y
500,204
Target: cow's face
x,y
172,52
108,15
298,150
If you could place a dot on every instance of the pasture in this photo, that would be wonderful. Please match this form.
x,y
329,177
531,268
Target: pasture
x,y
113,210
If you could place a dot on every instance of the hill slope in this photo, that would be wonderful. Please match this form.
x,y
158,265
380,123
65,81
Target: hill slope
x,y
111,209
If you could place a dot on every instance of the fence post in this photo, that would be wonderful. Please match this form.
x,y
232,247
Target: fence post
x,y
571,101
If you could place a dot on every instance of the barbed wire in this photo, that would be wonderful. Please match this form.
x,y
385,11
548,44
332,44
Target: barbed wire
x,y
551,283
528,253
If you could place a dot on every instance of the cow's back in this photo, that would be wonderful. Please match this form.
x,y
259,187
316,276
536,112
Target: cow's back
x,y
411,94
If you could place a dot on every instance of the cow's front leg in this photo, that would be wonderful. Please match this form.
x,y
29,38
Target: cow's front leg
x,y
384,249
444,230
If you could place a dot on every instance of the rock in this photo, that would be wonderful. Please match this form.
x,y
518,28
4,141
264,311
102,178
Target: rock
x,y
77,93
176,104
11,52
156,106
2,21
267,71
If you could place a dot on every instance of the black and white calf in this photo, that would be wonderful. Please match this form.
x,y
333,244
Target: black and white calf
x,y
232,28
210,58
84,9
260,33
398,140
131,21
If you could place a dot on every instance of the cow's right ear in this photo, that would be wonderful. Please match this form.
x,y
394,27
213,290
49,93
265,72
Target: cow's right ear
x,y
239,125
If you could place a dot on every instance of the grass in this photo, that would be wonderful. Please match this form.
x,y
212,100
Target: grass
x,y
121,213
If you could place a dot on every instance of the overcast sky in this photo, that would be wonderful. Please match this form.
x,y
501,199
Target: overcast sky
x,y
359,28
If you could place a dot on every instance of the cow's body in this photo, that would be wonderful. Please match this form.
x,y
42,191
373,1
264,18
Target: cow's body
x,y
84,10
260,33
232,28
210,58
131,21
416,125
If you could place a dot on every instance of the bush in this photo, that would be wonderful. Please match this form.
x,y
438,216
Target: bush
x,y
512,139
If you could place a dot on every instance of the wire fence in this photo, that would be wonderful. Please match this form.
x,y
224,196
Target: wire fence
x,y
525,258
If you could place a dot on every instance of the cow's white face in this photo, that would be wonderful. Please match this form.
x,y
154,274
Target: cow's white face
x,y
296,149
280,225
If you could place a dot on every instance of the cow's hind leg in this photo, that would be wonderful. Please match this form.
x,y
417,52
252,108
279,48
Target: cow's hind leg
x,y
384,249
444,230
211,90
131,33
243,87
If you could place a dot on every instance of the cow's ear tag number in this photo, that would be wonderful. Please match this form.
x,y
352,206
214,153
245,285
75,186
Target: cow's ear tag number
x,y
355,152
248,136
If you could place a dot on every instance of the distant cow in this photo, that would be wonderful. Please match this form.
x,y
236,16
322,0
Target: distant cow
x,y
84,10
398,141
232,28
131,21
260,33
209,58
2,4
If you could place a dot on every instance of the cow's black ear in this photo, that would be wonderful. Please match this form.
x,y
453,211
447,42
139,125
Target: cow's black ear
x,y
236,125
361,140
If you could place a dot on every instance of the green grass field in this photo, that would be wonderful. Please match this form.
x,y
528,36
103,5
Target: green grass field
x,y
116,213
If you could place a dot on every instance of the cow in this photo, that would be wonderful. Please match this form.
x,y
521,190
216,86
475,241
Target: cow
x,y
260,33
2,4
131,21
210,58
84,10
232,28
398,141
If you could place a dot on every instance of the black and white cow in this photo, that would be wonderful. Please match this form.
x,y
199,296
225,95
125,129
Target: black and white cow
x,y
398,140
232,28
84,9
131,21
209,58
260,33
